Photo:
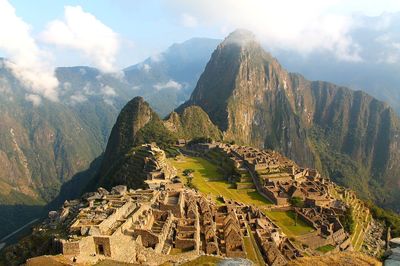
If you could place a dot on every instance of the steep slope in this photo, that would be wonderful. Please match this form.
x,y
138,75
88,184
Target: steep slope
x,y
347,134
192,122
41,147
243,90
139,124
136,124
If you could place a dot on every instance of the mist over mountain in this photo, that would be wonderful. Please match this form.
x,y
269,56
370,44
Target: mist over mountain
x,y
377,73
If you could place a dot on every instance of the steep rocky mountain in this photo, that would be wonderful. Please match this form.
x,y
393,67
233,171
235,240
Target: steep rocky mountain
x,y
347,134
138,124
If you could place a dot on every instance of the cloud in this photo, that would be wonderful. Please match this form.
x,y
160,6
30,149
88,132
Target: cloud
x,y
26,59
171,84
155,58
302,26
146,68
83,32
78,98
189,21
390,48
108,91
34,99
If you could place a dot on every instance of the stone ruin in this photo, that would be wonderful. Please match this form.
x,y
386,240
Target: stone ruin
x,y
158,225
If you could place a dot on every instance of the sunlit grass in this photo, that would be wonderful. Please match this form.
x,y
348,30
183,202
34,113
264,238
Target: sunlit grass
x,y
287,222
209,180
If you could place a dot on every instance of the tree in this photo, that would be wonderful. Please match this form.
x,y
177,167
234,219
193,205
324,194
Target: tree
x,y
188,172
347,220
297,202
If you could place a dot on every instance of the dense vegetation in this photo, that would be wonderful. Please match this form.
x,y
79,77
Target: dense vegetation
x,y
347,220
389,217
156,132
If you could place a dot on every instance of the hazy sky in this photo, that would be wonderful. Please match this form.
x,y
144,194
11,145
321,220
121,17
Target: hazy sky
x,y
111,34
143,28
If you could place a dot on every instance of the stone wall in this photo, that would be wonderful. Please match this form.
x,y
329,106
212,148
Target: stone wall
x,y
119,213
70,248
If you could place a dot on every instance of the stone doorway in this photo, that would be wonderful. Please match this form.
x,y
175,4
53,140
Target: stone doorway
x,y
100,249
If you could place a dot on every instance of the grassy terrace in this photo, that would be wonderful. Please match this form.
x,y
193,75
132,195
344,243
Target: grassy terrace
x,y
252,250
326,248
207,179
203,260
286,221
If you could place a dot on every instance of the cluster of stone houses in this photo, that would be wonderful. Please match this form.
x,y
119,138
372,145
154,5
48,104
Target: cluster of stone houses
x,y
327,225
280,179
165,224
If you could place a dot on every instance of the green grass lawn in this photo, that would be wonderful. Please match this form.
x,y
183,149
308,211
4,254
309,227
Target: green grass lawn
x,y
286,221
326,248
209,180
252,250
203,260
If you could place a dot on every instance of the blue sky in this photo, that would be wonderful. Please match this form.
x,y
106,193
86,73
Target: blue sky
x,y
134,30
144,27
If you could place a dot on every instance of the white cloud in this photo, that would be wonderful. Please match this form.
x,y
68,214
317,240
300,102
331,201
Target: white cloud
x,y
108,101
303,26
108,91
83,32
146,68
34,99
189,21
157,58
78,98
171,84
27,61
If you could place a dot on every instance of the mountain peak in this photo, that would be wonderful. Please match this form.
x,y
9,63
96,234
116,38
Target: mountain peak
x,y
240,37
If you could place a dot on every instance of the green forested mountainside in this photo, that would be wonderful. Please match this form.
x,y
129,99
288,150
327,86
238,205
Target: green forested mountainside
x,y
347,134
192,122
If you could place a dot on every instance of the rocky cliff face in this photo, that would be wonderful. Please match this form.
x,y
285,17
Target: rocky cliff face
x,y
347,134
132,118
245,92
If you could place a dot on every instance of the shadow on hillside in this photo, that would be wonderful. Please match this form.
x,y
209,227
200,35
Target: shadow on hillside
x,y
14,217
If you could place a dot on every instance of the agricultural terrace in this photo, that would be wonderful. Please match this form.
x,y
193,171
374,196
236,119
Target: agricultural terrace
x,y
286,220
210,180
